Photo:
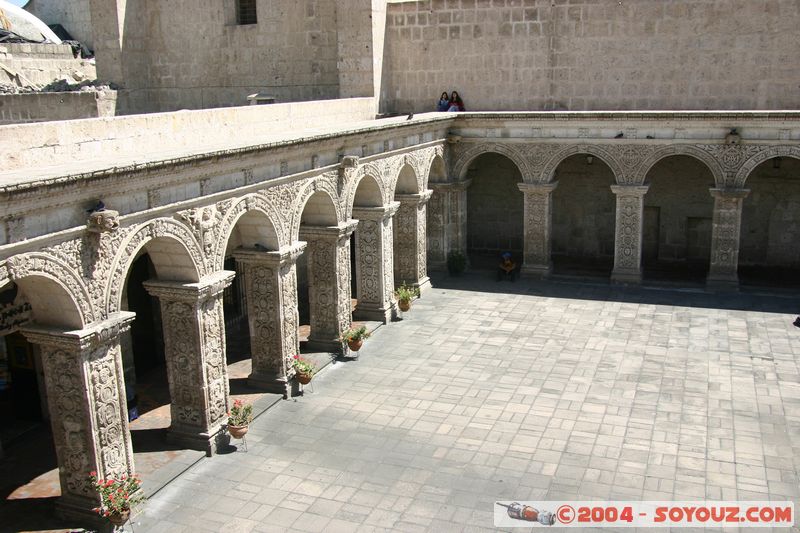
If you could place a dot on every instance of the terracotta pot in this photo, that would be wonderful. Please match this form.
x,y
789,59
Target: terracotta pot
x,y
237,432
355,345
118,519
305,379
404,305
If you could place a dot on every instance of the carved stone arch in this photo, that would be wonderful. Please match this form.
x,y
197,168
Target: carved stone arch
x,y
549,169
462,162
37,264
138,238
414,165
370,169
240,207
325,183
768,153
435,153
681,149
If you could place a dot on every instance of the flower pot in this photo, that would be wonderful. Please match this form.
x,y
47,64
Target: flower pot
x,y
237,432
355,345
404,305
305,379
118,519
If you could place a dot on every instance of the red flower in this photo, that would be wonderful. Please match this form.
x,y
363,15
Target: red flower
x,y
297,357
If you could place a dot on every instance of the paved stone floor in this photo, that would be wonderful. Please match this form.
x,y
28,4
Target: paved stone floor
x,y
523,391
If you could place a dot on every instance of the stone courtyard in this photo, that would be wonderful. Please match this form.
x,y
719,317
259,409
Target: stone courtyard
x,y
526,391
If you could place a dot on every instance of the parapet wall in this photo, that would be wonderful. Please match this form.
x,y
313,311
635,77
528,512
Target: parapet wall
x,y
41,107
593,54
109,142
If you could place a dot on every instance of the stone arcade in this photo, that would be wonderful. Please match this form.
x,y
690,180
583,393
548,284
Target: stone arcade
x,y
401,187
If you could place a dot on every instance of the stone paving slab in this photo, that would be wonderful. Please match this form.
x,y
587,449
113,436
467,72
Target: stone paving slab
x,y
488,391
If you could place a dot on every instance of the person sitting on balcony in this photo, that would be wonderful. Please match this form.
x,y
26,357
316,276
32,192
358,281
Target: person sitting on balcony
x,y
444,102
456,104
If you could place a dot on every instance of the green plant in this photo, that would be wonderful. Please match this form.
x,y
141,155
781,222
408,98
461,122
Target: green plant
x,y
301,366
116,495
456,262
355,334
406,293
241,414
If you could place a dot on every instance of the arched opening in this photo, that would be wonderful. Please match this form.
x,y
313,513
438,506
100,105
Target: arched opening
x,y
253,231
318,212
29,467
438,172
769,251
495,211
404,228
435,217
583,222
677,218
364,246
147,383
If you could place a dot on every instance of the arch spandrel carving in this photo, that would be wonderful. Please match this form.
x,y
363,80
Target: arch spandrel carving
x,y
766,153
233,211
462,157
138,238
681,149
38,264
601,152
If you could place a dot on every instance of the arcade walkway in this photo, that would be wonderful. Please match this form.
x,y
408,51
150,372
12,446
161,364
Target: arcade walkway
x,y
549,391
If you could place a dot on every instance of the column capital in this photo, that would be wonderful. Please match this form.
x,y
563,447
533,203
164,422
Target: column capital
x,y
202,290
274,258
416,199
331,233
94,336
537,188
451,185
728,194
376,213
630,190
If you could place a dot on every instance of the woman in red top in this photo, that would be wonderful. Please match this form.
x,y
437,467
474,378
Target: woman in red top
x,y
456,104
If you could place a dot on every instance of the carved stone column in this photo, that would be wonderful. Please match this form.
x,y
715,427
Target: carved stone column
x,y
88,411
194,344
375,263
725,232
410,249
270,280
329,283
448,230
628,234
538,228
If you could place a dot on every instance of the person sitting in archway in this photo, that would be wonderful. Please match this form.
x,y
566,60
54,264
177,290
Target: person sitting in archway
x,y
456,104
507,268
444,102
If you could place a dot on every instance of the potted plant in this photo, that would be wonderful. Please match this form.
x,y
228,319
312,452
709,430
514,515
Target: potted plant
x,y
239,419
303,370
117,497
354,337
404,294
456,263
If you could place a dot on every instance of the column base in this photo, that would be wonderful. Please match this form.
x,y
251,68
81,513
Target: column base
x,y
325,345
627,277
424,285
270,383
79,511
536,271
379,314
723,282
203,442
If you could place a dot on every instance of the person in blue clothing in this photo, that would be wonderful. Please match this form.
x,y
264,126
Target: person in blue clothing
x,y
444,102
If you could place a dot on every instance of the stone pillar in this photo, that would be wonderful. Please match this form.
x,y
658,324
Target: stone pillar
x,y
538,227
88,410
628,234
375,263
410,249
725,231
270,280
448,230
329,283
194,344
